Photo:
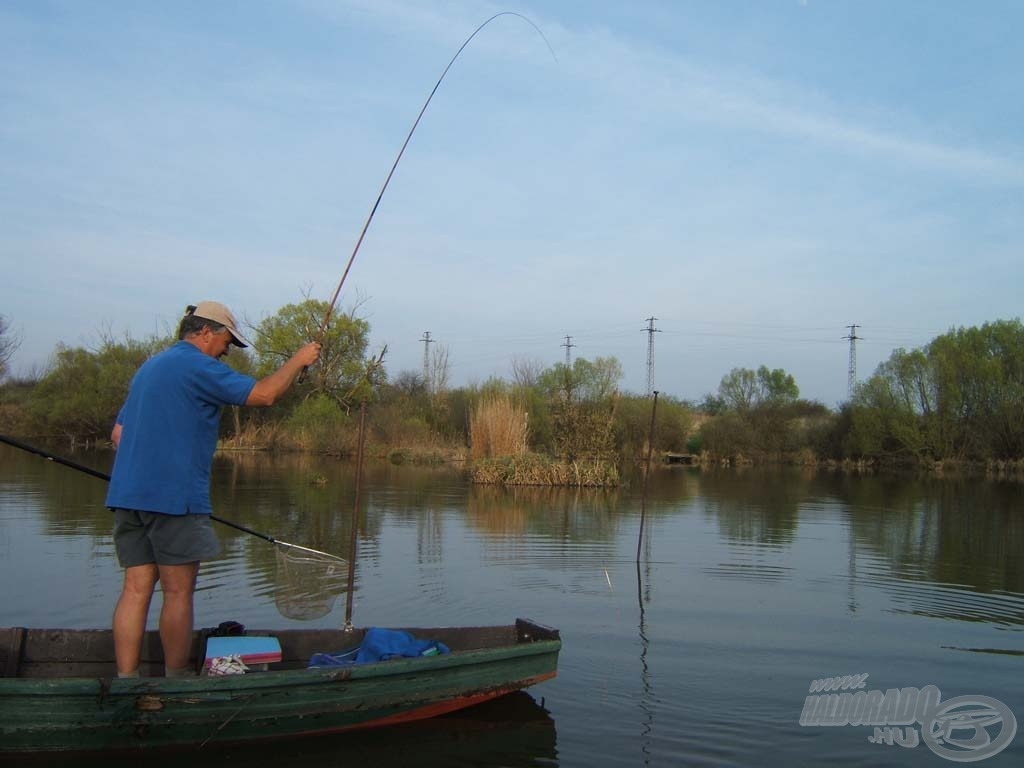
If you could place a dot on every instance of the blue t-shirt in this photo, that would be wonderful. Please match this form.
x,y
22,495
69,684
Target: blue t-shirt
x,y
169,431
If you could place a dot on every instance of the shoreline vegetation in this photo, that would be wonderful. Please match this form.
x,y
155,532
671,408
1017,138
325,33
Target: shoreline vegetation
x,y
537,470
954,407
542,471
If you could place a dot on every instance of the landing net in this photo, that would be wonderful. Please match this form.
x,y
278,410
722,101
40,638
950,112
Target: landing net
x,y
308,582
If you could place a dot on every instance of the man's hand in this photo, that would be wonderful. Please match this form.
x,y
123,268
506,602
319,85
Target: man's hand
x,y
308,354
270,388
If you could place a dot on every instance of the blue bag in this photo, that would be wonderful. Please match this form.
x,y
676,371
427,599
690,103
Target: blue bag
x,y
380,645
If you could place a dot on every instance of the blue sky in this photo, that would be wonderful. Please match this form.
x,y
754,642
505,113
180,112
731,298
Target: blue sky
x,y
756,175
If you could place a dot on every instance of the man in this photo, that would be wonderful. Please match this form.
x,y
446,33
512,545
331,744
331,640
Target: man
x,y
165,436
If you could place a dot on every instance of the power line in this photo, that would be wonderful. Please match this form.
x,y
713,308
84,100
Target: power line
x,y
650,330
427,341
851,372
568,346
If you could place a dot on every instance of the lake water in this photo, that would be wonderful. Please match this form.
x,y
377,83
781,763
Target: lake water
x,y
751,585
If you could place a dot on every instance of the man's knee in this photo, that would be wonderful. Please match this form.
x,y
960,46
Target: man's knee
x,y
140,580
178,580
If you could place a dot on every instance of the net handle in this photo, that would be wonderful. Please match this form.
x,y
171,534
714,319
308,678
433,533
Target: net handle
x,y
284,546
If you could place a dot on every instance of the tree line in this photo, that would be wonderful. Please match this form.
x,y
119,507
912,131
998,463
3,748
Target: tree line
x,y
960,397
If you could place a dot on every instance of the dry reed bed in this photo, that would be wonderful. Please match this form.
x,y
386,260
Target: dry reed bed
x,y
498,427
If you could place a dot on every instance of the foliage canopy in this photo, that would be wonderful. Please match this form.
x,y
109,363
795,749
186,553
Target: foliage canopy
x,y
342,372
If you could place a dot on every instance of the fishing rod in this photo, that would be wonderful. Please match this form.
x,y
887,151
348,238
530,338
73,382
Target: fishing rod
x,y
103,476
394,165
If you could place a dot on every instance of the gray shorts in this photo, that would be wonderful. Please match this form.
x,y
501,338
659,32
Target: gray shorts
x,y
142,538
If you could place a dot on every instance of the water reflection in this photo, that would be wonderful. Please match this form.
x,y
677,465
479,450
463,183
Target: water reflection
x,y
750,584
566,514
646,686
938,547
754,507
961,539
48,490
947,549
514,731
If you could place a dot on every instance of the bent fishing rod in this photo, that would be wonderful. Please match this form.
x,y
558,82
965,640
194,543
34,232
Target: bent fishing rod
x,y
103,476
394,165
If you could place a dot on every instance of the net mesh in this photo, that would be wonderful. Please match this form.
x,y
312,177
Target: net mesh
x,y
308,582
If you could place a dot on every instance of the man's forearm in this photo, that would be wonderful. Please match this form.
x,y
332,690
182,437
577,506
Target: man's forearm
x,y
270,388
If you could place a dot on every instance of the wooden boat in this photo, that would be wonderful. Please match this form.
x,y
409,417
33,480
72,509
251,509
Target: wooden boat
x,y
59,690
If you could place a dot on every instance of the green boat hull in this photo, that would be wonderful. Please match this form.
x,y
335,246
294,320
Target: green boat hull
x,y
63,694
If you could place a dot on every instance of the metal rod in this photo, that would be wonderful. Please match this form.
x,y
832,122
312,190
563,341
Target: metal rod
x,y
103,476
647,471
354,530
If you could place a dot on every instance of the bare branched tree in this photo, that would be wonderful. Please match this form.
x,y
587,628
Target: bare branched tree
x,y
9,343
440,369
438,374
408,382
526,371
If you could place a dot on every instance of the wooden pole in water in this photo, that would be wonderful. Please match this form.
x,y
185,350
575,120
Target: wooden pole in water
x,y
647,471
354,534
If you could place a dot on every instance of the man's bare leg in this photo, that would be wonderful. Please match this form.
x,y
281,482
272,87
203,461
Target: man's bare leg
x,y
178,583
130,616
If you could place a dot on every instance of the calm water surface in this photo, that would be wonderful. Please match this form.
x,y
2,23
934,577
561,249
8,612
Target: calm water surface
x,y
751,585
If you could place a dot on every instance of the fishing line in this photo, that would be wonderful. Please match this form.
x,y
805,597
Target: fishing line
x,y
366,226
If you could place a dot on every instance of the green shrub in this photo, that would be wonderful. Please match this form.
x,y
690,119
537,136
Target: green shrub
x,y
320,425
